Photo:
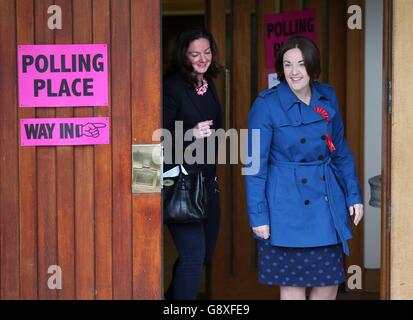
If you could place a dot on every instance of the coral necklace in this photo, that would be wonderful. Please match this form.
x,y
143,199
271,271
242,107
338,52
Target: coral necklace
x,y
200,91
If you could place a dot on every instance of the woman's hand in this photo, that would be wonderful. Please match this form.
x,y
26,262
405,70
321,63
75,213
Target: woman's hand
x,y
262,231
202,129
358,212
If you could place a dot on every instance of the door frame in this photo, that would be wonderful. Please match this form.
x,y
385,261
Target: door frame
x,y
386,151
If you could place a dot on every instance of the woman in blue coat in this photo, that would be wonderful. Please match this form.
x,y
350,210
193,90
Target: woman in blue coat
x,y
305,191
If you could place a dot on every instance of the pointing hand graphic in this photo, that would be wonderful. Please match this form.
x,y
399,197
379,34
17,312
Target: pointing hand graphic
x,y
91,129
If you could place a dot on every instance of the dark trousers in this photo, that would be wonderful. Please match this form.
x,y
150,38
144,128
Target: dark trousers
x,y
195,243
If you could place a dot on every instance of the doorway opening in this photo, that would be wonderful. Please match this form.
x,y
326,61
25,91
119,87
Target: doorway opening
x,y
351,63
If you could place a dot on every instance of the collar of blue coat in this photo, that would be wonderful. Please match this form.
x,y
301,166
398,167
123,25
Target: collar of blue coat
x,y
320,97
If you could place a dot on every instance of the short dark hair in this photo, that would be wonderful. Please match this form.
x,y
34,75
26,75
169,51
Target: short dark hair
x,y
311,56
179,62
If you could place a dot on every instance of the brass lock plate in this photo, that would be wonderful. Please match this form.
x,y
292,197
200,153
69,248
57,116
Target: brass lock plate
x,y
146,168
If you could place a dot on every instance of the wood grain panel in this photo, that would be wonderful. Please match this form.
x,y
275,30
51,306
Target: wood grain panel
x,y
216,24
27,174
46,175
146,117
183,6
103,171
221,260
320,6
354,124
121,146
84,177
386,153
147,247
337,51
72,206
264,7
221,264
9,161
65,183
242,102
290,5
401,238
145,71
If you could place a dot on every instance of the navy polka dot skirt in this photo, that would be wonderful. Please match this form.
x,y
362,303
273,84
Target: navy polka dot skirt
x,y
300,267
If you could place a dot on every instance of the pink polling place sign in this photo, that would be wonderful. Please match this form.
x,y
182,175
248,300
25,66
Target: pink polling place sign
x,y
282,26
64,131
63,75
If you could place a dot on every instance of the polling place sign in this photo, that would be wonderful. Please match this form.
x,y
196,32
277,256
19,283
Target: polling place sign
x,y
64,131
63,75
282,26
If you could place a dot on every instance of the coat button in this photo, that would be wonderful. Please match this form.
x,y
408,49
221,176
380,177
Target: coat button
x,y
307,202
304,181
323,178
321,158
323,137
326,198
303,140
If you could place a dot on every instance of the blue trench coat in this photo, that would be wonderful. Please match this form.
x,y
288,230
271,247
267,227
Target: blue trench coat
x,y
302,189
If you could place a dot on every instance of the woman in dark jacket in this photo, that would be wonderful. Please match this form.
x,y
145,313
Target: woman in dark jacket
x,y
190,105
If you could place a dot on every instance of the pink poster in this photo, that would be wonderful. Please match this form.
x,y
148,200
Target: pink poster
x,y
64,131
282,26
63,75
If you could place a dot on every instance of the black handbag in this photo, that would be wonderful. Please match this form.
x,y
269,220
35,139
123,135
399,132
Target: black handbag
x,y
184,198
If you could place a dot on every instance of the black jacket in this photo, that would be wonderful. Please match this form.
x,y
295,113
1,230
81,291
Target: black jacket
x,y
180,103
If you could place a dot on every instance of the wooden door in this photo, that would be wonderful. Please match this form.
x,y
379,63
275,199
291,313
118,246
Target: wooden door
x,y
386,152
72,206
240,35
399,220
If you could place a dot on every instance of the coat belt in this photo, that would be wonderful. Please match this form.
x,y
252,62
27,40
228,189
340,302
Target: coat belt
x,y
330,172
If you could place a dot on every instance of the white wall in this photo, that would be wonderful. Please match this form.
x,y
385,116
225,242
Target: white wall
x,y
373,126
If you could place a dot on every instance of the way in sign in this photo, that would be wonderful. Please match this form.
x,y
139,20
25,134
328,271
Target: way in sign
x,y
46,130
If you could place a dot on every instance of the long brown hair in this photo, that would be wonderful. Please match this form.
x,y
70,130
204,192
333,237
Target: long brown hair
x,y
179,62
